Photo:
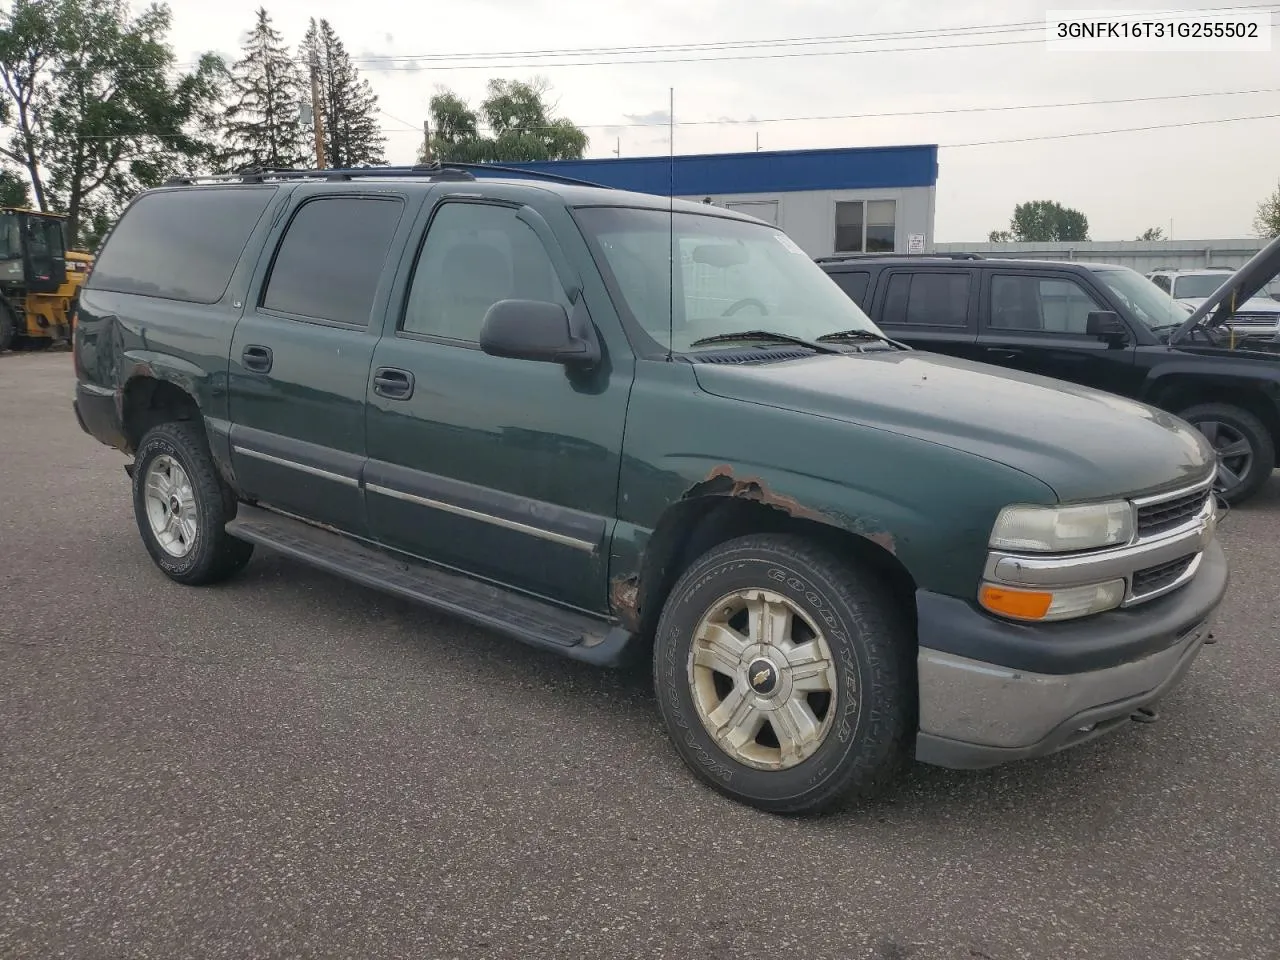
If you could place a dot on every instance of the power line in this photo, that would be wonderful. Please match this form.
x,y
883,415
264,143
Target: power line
x,y
725,121
1101,133
924,113
443,61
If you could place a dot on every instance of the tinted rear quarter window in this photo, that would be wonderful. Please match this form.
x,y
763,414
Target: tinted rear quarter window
x,y
927,299
180,244
328,264
853,283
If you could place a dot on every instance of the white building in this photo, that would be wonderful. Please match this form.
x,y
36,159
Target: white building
x,y
847,200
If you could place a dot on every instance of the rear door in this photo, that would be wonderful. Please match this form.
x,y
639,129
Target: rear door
x,y
300,356
929,309
1035,321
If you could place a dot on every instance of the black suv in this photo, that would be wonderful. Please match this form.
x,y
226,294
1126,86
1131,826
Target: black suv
x,y
1098,325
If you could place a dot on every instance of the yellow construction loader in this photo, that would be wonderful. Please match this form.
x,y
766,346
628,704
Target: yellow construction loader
x,y
39,279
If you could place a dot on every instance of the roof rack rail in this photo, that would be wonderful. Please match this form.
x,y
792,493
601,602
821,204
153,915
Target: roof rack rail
x,y
837,257
436,170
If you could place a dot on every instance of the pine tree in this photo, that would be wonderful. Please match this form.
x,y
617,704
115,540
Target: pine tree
x,y
263,126
350,107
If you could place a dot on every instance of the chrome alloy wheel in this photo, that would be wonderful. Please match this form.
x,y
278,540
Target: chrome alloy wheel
x,y
171,506
763,680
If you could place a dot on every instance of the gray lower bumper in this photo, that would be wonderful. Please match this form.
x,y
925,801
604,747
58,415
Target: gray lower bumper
x,y
975,714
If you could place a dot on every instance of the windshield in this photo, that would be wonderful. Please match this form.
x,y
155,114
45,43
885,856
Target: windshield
x,y
1148,303
10,238
1198,286
733,276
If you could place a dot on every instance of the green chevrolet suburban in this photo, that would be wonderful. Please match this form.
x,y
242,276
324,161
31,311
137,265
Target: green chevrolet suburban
x,y
617,427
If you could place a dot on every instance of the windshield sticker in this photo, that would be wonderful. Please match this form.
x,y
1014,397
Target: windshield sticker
x,y
788,243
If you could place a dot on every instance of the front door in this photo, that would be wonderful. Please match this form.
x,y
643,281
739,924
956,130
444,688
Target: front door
x,y
506,469
300,355
1037,323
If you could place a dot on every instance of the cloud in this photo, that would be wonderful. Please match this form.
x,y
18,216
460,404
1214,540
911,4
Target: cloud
x,y
654,118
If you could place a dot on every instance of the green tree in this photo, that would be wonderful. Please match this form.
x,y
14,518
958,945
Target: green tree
x,y
1267,222
1043,221
263,124
349,105
93,108
1151,233
14,189
521,126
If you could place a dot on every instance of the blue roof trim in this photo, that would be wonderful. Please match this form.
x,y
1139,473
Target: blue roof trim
x,y
778,171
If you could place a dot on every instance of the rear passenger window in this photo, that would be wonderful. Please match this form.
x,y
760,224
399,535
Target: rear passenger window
x,y
475,255
927,299
853,284
328,264
180,244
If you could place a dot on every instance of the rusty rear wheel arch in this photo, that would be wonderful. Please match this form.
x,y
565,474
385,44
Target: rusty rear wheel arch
x,y
149,402
693,526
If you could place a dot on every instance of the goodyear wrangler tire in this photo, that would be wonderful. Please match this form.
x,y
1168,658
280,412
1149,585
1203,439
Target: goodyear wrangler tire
x,y
182,505
784,676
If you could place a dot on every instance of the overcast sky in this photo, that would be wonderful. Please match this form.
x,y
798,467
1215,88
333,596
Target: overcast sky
x,y
1206,179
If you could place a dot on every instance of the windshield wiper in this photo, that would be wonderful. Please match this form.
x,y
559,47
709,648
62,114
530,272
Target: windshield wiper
x,y
765,335
860,335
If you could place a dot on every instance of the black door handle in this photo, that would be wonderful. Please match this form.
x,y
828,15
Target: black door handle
x,y
1004,353
256,358
392,383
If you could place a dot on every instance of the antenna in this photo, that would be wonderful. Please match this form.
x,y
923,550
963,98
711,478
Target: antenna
x,y
671,221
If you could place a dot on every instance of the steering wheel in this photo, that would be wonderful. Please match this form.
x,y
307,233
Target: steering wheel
x,y
745,302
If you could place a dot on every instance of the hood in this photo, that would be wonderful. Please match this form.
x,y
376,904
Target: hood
x,y
1255,304
1083,443
1241,286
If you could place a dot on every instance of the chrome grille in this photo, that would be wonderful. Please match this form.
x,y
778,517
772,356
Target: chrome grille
x,y
1157,518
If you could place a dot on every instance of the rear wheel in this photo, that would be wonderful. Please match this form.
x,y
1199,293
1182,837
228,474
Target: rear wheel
x,y
1244,447
784,676
182,505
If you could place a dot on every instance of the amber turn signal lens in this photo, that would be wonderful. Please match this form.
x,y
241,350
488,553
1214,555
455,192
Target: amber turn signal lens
x,y
1021,604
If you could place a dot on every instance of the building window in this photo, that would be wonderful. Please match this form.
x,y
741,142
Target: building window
x,y
865,226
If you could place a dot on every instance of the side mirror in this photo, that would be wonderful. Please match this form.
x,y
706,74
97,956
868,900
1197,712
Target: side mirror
x,y
540,331
1106,325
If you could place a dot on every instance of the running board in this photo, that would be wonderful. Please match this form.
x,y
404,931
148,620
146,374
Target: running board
x,y
539,624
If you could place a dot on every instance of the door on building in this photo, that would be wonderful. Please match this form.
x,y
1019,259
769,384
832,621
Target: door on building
x,y
766,210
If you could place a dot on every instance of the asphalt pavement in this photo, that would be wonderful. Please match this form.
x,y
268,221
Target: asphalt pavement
x,y
290,766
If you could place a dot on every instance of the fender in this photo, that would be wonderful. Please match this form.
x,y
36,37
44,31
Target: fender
x,y
1255,371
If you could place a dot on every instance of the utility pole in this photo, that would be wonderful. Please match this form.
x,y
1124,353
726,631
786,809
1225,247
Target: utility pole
x,y
317,120
617,151
426,141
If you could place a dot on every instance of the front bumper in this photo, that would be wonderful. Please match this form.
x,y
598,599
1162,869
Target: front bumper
x,y
993,691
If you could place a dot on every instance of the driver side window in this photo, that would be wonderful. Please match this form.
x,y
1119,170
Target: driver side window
x,y
476,254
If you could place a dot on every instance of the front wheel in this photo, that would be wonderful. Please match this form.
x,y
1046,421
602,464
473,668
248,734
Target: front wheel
x,y
182,505
784,676
1246,453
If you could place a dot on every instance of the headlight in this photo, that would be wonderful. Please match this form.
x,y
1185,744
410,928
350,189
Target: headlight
x,y
1063,529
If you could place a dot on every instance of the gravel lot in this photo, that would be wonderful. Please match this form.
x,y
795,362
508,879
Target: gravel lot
x,y
289,766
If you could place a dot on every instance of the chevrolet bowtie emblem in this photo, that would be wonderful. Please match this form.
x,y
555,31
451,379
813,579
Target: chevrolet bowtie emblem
x,y
760,678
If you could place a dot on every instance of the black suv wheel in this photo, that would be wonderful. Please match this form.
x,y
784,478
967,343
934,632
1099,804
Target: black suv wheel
x,y
1246,452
